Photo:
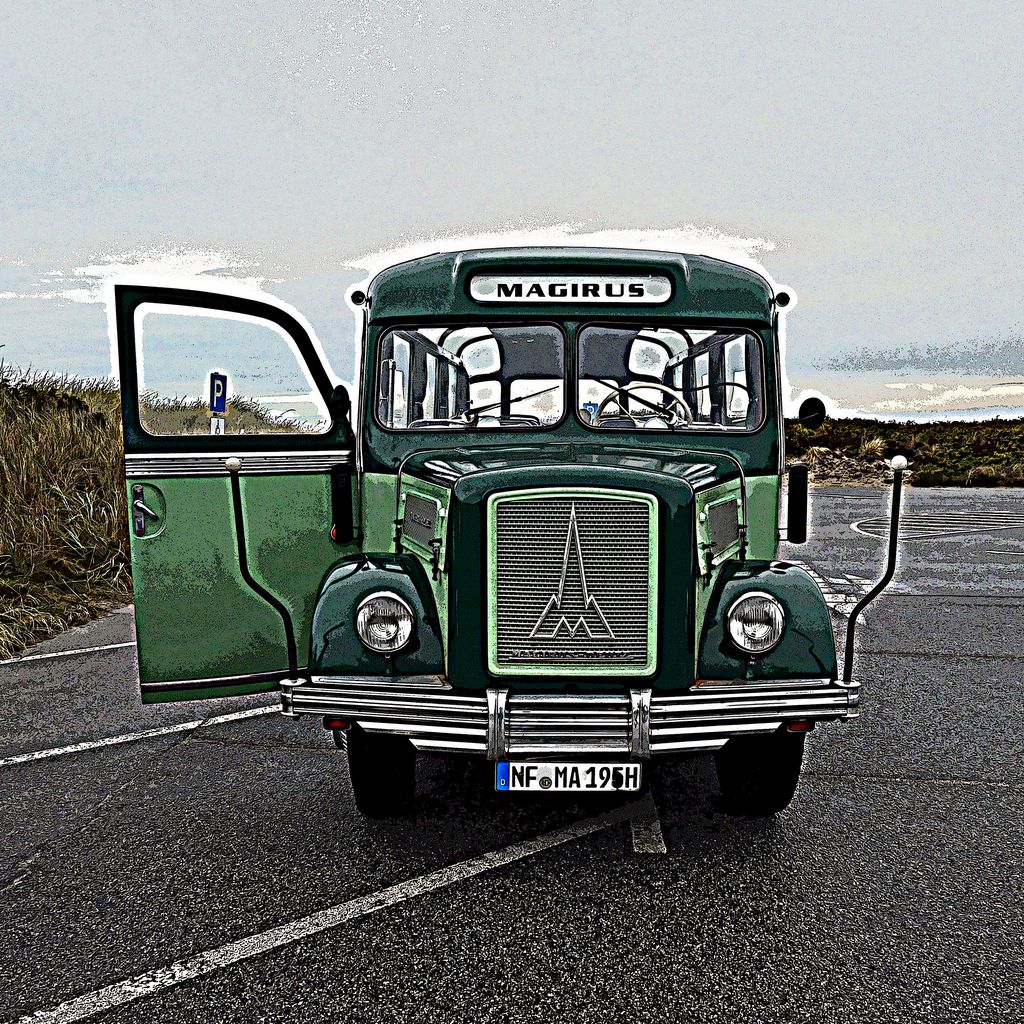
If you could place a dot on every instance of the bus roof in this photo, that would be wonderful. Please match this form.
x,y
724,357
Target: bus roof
x,y
464,283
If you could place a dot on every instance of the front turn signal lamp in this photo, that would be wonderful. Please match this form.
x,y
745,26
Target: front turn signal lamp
x,y
384,622
755,622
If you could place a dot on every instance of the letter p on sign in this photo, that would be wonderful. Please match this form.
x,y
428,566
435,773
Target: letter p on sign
x,y
218,393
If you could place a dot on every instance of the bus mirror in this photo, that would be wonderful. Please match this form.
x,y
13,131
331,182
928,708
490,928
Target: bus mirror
x,y
340,404
796,507
812,413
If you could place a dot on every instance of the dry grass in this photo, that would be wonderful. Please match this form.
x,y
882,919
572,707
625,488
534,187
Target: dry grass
x,y
63,520
816,455
192,416
872,448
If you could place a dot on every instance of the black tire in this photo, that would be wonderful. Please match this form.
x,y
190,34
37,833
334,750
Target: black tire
x,y
758,775
383,773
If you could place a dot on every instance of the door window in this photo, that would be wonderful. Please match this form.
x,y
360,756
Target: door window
x,y
184,354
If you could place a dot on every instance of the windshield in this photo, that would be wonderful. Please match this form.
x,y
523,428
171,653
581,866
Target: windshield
x,y
465,378
670,378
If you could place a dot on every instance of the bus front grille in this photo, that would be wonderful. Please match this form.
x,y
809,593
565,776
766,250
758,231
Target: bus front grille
x,y
571,578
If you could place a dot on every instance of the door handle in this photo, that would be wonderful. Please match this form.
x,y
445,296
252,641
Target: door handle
x,y
140,511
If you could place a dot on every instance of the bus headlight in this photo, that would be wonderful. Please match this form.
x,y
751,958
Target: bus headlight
x,y
755,622
384,622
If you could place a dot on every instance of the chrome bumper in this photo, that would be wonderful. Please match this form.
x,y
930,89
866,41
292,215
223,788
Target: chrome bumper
x,y
504,724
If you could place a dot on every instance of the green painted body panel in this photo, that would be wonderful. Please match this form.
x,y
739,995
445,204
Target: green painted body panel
x,y
210,692
442,496
762,546
438,285
195,616
379,504
763,508
438,496
710,563
377,514
191,603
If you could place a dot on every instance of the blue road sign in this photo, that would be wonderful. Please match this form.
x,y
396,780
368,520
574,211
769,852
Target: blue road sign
x,y
218,393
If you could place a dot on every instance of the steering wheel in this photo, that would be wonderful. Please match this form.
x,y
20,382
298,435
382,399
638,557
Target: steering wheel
x,y
627,389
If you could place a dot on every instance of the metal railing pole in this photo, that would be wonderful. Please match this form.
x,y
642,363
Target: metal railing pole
x,y
899,465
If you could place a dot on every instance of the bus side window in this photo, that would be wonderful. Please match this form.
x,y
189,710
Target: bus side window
x,y
393,403
701,380
737,401
429,404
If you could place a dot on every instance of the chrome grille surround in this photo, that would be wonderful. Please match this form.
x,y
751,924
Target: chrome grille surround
x,y
572,582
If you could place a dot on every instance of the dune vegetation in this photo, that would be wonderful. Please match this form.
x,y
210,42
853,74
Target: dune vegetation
x,y
944,453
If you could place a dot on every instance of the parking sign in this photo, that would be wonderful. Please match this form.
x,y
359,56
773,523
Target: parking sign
x,y
218,393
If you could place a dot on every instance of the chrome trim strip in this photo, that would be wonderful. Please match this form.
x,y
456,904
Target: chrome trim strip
x,y
384,682
450,746
241,455
764,685
416,728
574,699
211,682
168,464
769,704
759,725
691,746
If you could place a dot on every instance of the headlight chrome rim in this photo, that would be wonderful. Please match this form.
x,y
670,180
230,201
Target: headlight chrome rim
x,y
775,623
373,627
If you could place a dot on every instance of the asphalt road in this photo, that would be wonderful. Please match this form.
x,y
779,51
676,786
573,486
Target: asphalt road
x,y
889,891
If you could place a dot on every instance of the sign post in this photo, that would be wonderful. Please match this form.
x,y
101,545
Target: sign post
x,y
218,402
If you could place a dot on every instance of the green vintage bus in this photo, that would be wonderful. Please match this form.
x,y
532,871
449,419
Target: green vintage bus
x,y
546,534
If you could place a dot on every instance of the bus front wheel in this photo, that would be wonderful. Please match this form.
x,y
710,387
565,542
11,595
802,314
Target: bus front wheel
x,y
758,775
383,773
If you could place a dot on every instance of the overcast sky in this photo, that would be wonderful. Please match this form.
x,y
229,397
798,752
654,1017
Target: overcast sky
x,y
869,155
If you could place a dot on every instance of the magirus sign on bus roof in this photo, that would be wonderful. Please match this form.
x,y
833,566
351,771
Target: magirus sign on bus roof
x,y
633,289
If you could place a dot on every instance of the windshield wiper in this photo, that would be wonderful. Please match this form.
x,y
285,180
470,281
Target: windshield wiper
x,y
472,412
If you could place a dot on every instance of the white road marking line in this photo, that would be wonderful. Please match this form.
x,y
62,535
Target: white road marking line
x,y
65,654
645,826
939,526
150,982
131,737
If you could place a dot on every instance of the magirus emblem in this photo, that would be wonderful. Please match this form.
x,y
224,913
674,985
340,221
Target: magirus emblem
x,y
570,613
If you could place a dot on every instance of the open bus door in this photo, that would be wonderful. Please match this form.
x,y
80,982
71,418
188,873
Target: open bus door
x,y
240,468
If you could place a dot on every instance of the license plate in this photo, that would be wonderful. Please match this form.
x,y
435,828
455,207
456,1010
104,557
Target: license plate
x,y
570,777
